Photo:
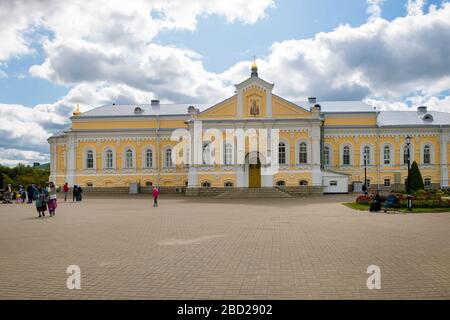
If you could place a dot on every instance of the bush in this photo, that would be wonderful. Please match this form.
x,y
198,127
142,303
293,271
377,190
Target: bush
x,y
416,179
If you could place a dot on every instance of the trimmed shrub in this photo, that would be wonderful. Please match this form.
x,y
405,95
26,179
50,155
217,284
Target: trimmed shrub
x,y
416,179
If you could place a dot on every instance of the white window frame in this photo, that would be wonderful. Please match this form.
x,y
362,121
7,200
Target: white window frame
x,y
391,154
371,158
144,157
422,153
125,160
105,158
85,159
341,155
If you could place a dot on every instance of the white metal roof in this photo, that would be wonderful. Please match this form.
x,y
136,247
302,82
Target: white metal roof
x,y
123,110
412,118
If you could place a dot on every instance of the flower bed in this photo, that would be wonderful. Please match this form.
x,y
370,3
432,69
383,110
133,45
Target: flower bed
x,y
421,199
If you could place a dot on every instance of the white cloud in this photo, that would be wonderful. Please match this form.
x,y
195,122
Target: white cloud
x,y
415,7
374,9
12,157
388,59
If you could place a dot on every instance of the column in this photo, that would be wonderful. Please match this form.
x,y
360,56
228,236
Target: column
x,y
444,159
71,161
315,156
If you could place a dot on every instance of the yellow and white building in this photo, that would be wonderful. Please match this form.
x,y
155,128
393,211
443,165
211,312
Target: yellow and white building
x,y
321,144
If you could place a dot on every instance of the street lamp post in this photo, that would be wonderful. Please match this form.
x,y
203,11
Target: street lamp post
x,y
365,173
408,155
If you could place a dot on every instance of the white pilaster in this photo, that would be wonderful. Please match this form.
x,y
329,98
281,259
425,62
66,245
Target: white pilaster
x,y
315,159
71,161
444,159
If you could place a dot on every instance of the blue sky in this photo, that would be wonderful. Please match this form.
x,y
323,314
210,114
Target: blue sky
x,y
54,55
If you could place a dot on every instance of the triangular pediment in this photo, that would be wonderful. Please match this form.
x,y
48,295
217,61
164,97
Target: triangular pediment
x,y
222,110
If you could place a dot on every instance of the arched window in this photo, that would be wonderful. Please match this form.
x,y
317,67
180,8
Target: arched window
x,y
149,184
346,156
207,154
148,158
427,154
282,153
206,184
405,154
326,156
303,183
168,158
89,159
366,154
303,153
387,155
129,159
109,159
281,183
228,184
228,154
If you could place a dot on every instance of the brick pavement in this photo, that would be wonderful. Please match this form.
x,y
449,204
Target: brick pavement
x,y
191,248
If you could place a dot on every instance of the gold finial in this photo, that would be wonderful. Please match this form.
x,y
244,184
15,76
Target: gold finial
x,y
254,68
77,111
254,62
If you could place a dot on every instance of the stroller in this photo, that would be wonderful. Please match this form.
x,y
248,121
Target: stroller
x,y
6,197
392,202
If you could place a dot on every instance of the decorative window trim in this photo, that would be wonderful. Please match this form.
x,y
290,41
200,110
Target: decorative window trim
x,y
287,150
422,153
297,151
341,154
144,157
94,156
124,158
392,154
411,153
330,147
104,159
371,161
165,157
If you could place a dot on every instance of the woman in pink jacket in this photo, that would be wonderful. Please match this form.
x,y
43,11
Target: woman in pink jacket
x,y
155,196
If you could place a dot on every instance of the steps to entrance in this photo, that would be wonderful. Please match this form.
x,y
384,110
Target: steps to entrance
x,y
245,193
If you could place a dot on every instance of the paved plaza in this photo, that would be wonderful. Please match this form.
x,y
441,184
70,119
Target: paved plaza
x,y
193,248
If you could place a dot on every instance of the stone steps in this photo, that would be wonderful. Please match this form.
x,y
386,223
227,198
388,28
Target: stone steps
x,y
246,193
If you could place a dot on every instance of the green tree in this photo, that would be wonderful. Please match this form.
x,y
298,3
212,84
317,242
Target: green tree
x,y
416,179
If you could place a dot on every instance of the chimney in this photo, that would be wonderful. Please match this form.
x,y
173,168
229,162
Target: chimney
x,y
312,100
422,110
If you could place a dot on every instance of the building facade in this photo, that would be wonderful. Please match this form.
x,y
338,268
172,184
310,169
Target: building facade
x,y
333,146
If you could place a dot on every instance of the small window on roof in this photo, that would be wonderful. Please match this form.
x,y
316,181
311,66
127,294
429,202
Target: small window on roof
x,y
428,117
138,110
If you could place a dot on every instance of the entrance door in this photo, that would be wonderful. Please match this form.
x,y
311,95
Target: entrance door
x,y
254,175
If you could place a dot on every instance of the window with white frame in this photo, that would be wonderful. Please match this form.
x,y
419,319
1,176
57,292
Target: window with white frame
x,y
326,156
387,182
228,154
303,153
387,155
346,156
109,159
228,184
282,153
427,182
406,149
366,155
303,183
90,159
207,160
427,154
368,183
148,158
129,159
168,158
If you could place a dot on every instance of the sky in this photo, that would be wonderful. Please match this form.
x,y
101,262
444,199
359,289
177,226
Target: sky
x,y
393,54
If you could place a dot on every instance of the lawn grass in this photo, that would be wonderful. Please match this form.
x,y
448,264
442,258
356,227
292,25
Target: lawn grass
x,y
365,207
